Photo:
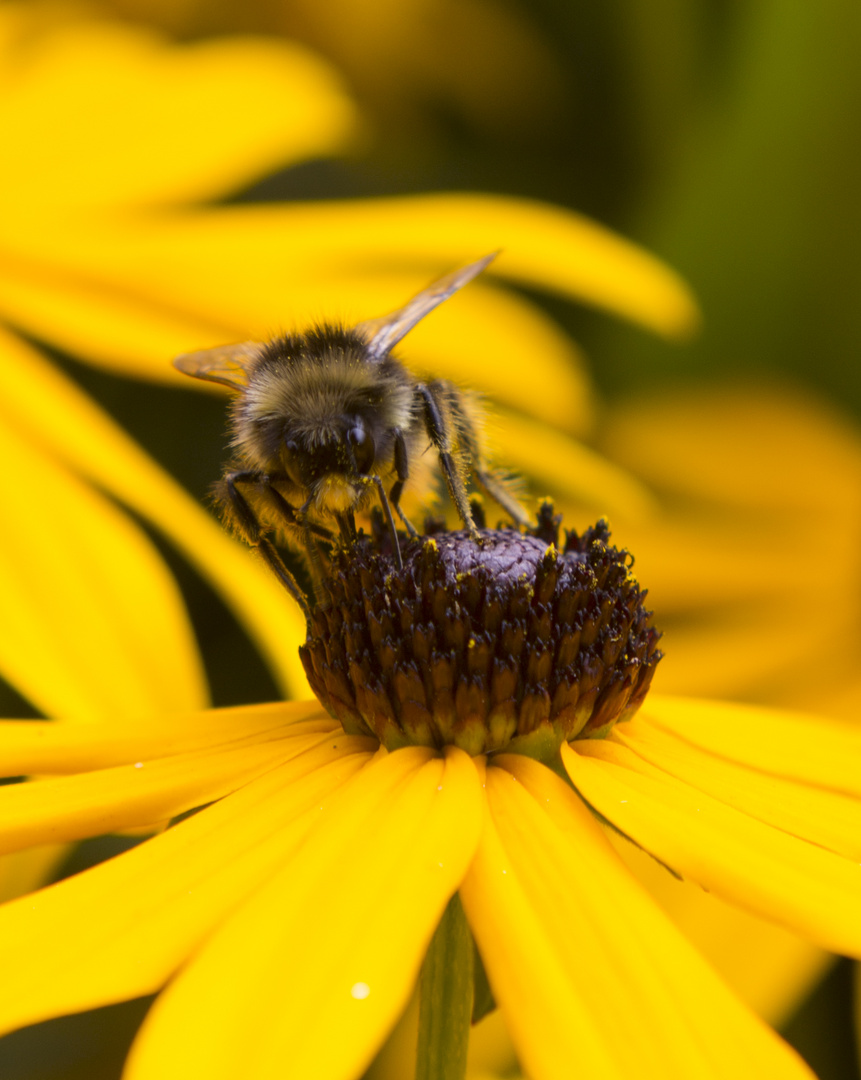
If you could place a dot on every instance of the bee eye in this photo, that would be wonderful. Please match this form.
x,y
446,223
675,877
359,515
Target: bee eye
x,y
363,448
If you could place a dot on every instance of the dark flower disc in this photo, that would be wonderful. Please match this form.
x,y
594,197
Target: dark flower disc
x,y
512,643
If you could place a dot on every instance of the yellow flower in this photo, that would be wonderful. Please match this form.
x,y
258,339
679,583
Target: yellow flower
x,y
289,916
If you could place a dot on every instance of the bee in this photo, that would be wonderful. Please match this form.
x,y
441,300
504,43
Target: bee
x,y
326,421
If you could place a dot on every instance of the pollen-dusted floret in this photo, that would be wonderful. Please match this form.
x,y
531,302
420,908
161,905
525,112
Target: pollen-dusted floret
x,y
512,643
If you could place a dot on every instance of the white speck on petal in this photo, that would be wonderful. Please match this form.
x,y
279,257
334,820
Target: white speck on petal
x,y
138,764
360,991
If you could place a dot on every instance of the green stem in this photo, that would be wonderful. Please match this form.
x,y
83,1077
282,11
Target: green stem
x,y
445,998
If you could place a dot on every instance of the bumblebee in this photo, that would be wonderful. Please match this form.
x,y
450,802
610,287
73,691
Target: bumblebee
x,y
327,421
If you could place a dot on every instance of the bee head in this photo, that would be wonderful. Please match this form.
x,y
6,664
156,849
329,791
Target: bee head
x,y
328,464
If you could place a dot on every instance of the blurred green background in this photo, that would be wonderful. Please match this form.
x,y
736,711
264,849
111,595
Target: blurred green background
x,y
723,136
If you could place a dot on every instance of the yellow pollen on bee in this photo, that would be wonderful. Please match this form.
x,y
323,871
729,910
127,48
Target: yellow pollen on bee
x,y
335,494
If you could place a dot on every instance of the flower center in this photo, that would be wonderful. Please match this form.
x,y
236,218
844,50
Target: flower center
x,y
512,643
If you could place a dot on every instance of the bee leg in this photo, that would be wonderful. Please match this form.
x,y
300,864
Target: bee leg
x,y
314,560
495,488
403,472
289,513
347,527
248,525
390,521
440,436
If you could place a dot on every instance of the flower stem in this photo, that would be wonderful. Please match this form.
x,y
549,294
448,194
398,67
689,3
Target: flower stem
x,y
445,998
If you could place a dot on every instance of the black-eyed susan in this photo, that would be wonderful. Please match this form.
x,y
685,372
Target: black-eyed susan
x,y
131,279
289,916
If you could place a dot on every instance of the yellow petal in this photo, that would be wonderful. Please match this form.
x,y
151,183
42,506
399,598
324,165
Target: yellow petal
x,y
134,119
144,793
822,816
770,969
99,322
32,746
122,928
822,753
135,293
569,469
27,870
542,245
737,857
333,943
136,325
756,447
48,409
93,622
571,931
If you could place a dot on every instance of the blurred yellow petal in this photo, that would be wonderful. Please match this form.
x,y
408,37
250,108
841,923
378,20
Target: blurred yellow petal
x,y
141,794
48,409
630,986
746,446
112,115
543,246
27,870
122,928
753,561
93,623
566,467
92,320
715,561
242,260
32,746
353,912
137,325
757,866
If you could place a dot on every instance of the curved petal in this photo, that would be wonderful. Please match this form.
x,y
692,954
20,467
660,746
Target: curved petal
x,y
570,469
141,794
544,246
28,870
121,929
770,969
761,868
245,269
582,963
822,815
333,943
809,749
756,447
134,119
93,622
45,746
51,411
134,314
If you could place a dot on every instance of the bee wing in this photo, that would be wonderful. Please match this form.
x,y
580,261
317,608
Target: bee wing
x,y
225,364
383,333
